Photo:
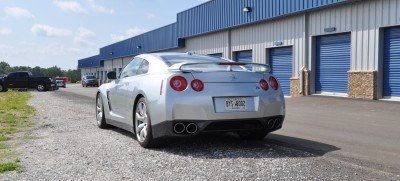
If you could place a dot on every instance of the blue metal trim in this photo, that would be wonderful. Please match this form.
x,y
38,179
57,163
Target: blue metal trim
x,y
208,17
90,62
222,14
159,39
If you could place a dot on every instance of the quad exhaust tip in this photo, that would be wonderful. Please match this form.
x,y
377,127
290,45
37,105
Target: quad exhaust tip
x,y
191,128
271,123
274,123
179,128
188,128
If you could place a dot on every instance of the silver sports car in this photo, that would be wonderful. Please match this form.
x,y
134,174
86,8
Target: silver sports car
x,y
183,94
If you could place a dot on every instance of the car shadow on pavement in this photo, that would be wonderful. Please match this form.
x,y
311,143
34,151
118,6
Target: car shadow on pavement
x,y
229,145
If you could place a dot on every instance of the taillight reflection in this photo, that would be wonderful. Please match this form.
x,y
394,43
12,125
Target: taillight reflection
x,y
197,85
273,83
178,83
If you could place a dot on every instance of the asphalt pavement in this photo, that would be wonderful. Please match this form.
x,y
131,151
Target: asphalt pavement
x,y
360,132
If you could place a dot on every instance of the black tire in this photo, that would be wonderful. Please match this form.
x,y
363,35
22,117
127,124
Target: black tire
x,y
100,117
146,141
3,89
252,135
41,87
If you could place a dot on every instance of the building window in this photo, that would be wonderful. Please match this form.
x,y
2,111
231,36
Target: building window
x,y
244,56
219,55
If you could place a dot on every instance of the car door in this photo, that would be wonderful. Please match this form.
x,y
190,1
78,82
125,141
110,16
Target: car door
x,y
116,92
23,80
12,80
130,89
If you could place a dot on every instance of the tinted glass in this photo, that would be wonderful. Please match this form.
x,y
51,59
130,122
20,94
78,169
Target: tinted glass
x,y
23,75
131,69
90,77
13,75
144,67
186,58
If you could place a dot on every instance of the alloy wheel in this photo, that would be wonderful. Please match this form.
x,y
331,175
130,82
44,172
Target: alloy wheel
x,y
141,121
40,87
99,110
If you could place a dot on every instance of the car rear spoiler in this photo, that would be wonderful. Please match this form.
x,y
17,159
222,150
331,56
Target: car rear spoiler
x,y
185,67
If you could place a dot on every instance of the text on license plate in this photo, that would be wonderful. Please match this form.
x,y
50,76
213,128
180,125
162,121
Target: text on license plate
x,y
236,103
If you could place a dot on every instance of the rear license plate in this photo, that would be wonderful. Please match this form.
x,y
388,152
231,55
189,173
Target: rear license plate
x,y
235,103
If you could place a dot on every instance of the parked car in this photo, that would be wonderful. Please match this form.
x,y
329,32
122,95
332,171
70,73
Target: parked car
x,y
61,83
26,80
89,80
178,94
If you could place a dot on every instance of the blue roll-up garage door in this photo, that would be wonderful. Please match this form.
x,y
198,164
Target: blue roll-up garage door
x,y
244,56
333,63
280,60
391,63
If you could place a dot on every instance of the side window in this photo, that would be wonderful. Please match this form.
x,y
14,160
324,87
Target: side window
x,y
12,75
131,69
144,68
23,75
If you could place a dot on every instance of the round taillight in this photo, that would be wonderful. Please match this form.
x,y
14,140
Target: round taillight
x,y
197,85
264,84
178,83
273,83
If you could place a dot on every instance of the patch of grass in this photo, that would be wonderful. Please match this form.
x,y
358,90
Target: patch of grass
x,y
31,137
14,114
14,111
10,166
3,146
7,155
3,138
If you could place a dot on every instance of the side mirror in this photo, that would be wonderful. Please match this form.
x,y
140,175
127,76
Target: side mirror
x,y
112,75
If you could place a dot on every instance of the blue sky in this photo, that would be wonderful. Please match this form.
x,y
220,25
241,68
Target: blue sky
x,y
59,32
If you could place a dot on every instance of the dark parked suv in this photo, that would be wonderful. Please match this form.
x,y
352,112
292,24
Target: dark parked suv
x,y
25,80
89,80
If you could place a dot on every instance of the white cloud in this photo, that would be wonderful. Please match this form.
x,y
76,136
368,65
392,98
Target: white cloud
x,y
49,31
117,38
98,8
134,31
70,6
18,13
5,31
151,16
83,36
128,34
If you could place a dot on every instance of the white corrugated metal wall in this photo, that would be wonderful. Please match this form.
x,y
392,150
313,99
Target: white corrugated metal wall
x,y
364,19
260,37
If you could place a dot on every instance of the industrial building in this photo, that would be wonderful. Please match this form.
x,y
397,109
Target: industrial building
x,y
334,47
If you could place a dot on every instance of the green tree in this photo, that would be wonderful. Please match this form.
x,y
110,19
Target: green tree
x,y
74,74
38,71
54,72
5,68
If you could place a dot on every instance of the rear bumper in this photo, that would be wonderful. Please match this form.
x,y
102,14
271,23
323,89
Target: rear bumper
x,y
268,124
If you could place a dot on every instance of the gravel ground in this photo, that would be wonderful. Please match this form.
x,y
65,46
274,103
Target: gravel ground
x,y
71,147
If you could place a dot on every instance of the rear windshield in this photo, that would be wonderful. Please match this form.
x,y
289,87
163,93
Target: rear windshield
x,y
90,77
174,59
